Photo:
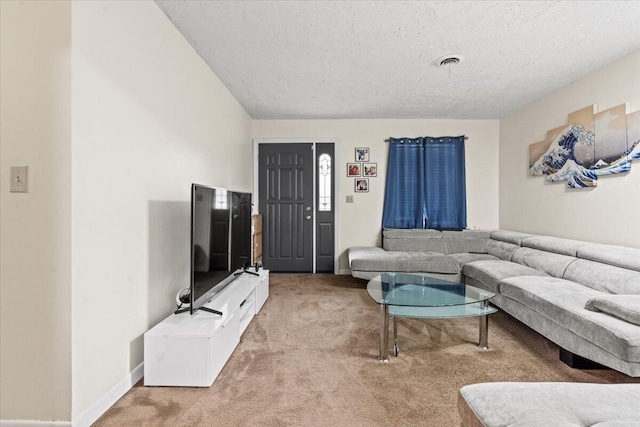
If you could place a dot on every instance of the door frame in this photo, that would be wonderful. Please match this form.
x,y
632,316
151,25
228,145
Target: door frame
x,y
336,163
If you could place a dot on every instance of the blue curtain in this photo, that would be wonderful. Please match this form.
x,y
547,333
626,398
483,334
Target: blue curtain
x,y
426,185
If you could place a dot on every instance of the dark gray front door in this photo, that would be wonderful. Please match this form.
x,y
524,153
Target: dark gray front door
x,y
285,188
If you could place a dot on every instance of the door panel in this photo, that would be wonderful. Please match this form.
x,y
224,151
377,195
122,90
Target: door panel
x,y
286,191
285,220
325,239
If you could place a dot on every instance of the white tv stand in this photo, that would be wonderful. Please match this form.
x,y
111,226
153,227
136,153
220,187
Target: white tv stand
x,y
185,350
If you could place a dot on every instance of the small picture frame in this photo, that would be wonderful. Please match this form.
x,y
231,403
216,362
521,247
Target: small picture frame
x,y
354,169
361,185
362,154
369,169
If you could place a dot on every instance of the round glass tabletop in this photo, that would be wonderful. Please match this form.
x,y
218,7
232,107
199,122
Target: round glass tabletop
x,y
415,290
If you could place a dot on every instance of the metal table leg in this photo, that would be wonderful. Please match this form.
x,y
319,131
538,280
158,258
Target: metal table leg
x,y
484,328
396,349
384,333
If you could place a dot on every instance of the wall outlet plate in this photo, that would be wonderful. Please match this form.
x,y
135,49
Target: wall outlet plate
x,y
19,181
349,199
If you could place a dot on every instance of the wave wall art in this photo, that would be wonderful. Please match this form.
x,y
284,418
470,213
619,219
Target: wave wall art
x,y
590,145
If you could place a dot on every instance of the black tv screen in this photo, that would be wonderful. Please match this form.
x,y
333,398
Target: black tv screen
x,y
220,239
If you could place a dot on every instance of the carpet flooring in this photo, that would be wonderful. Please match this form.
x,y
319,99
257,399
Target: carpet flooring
x,y
309,359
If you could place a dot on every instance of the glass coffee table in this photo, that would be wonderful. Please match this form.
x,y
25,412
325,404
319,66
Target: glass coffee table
x,y
425,297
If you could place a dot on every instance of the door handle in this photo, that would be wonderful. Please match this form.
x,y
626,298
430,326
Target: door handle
x,y
308,217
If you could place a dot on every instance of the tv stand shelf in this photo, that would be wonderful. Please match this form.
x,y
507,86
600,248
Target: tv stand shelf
x,y
185,350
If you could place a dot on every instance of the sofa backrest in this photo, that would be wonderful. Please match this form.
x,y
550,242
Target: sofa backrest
x,y
445,242
554,244
411,233
513,237
413,240
604,277
609,254
606,268
505,243
502,250
551,263
458,242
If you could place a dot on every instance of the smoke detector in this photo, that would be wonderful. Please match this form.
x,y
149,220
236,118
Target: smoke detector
x,y
449,60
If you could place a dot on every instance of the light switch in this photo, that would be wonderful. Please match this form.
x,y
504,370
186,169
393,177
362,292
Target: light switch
x,y
19,179
349,199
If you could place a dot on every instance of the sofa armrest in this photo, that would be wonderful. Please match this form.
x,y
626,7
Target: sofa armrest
x,y
362,252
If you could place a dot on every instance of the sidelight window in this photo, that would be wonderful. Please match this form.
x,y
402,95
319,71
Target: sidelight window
x,y
221,199
324,183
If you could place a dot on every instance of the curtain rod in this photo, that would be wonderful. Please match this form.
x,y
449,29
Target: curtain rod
x,y
437,137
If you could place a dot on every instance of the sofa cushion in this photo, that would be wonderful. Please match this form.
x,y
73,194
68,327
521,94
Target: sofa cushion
x,y
625,307
492,272
604,277
614,255
551,263
554,244
513,237
549,404
501,250
407,262
465,258
563,301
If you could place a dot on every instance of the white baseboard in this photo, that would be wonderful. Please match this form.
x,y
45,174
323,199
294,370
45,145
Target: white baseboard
x,y
346,271
22,423
108,400
94,412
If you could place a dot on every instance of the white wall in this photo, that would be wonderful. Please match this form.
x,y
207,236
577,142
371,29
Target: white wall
x,y
35,236
608,213
360,223
149,118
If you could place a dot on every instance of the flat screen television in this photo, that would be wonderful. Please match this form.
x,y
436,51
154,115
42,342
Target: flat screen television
x,y
220,240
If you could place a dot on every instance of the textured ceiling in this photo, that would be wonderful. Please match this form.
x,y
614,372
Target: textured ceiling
x,y
375,59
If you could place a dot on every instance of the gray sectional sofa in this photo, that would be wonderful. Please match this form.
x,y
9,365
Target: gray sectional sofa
x,y
439,253
585,297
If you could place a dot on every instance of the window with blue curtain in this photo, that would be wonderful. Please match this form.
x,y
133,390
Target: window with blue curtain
x,y
426,185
